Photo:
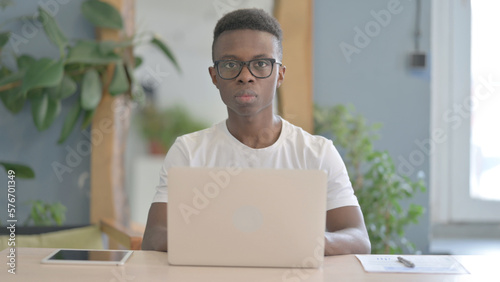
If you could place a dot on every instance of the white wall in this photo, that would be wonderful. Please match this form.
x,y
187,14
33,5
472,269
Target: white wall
x,y
187,27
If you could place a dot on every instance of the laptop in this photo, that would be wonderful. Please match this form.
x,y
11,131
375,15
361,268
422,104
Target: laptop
x,y
246,217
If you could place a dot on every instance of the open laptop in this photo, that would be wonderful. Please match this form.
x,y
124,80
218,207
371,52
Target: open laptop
x,y
246,217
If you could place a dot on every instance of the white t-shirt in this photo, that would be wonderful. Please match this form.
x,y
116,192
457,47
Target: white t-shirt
x,y
294,149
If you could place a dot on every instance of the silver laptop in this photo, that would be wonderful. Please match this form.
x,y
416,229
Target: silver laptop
x,y
246,217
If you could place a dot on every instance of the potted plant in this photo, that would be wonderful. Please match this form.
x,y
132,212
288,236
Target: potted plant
x,y
378,186
160,127
41,213
82,69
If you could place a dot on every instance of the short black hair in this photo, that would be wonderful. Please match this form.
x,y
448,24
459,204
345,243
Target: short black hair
x,y
254,19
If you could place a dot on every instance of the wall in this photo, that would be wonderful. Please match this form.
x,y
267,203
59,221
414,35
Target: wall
x,y
187,27
377,79
20,140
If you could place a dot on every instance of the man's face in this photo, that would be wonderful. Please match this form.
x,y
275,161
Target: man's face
x,y
247,95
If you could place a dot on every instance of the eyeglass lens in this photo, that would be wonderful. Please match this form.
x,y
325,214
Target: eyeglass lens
x,y
260,68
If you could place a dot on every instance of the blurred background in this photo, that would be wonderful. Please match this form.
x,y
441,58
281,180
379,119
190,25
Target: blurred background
x,y
427,71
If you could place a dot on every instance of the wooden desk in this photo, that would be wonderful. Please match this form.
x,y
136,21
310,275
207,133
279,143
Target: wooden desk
x,y
153,266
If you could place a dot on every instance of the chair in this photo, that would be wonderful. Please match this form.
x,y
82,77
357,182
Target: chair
x,y
127,237
107,234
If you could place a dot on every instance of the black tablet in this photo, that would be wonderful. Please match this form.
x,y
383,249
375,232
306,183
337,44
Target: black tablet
x,y
75,256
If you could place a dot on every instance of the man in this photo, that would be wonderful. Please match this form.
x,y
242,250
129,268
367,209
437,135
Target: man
x,y
247,70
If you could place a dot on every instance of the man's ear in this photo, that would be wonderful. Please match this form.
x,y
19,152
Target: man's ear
x,y
281,75
213,75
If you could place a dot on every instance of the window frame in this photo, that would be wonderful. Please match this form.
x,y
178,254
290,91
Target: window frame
x,y
450,199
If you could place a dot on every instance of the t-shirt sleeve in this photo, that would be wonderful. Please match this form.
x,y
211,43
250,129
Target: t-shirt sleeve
x,y
174,157
339,189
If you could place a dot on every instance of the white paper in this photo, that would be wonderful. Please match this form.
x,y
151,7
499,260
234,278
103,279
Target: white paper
x,y
423,264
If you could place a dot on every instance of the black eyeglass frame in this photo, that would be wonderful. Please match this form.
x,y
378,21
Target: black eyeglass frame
x,y
247,64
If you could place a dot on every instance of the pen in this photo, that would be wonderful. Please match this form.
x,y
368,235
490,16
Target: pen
x,y
406,262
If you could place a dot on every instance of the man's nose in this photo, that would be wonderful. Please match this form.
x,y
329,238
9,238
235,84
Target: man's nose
x,y
245,74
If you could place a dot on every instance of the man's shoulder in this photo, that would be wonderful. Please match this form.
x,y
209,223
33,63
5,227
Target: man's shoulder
x,y
300,135
209,132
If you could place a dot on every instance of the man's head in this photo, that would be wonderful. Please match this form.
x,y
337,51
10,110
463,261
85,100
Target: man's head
x,y
254,19
247,66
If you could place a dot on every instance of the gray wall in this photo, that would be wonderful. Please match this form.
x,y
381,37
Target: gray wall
x,y
21,142
378,80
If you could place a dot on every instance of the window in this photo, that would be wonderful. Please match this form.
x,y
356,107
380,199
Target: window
x,y
485,95
465,111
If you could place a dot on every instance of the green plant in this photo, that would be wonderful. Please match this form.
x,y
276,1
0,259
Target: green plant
x,y
15,170
44,214
164,126
378,186
41,213
84,68
20,170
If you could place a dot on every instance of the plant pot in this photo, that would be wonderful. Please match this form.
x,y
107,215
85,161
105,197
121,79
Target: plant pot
x,y
157,148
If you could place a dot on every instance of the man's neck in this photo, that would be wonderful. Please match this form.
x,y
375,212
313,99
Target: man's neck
x,y
255,132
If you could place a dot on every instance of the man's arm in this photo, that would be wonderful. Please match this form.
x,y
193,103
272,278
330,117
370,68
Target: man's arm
x,y
155,235
346,232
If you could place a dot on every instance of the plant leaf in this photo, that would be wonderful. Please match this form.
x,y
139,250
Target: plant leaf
x,y
38,213
5,3
52,30
21,171
57,212
87,118
24,62
34,94
87,52
43,73
65,89
108,46
137,90
138,61
156,41
70,122
4,38
12,77
120,83
53,111
44,109
91,90
39,106
13,100
102,14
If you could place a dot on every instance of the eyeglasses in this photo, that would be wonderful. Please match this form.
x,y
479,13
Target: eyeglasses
x,y
230,69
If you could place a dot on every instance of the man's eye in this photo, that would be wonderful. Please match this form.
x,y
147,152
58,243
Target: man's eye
x,y
230,65
261,64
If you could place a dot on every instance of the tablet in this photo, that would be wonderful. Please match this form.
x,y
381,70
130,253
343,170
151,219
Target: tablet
x,y
75,256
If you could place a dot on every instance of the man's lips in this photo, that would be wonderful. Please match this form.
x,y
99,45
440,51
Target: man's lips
x,y
245,95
